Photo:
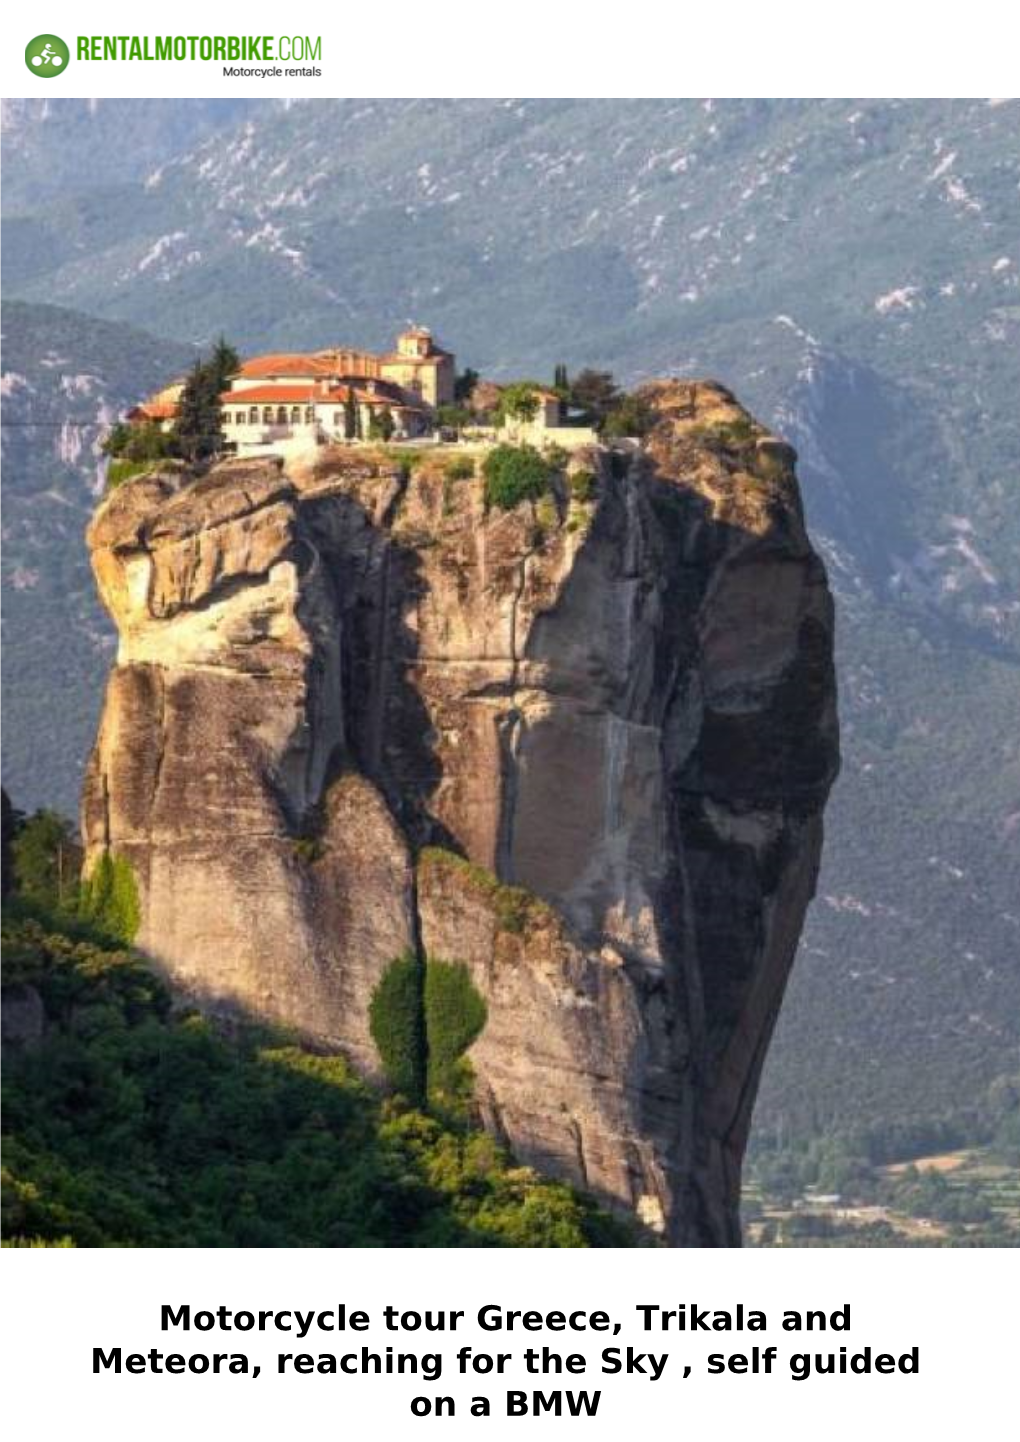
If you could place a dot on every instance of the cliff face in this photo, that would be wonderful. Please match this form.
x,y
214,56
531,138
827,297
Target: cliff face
x,y
352,709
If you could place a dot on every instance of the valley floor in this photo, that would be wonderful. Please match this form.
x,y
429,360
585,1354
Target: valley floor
x,y
964,1198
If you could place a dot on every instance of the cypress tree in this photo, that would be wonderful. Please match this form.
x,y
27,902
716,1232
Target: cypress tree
x,y
225,362
350,415
198,429
199,426
12,819
396,1016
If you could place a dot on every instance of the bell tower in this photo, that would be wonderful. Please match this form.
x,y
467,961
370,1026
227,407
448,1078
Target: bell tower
x,y
415,342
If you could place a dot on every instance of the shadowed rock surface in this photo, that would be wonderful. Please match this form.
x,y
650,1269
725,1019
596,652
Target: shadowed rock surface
x,y
582,747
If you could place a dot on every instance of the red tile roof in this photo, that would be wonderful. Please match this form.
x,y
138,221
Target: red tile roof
x,y
264,395
286,364
307,395
155,410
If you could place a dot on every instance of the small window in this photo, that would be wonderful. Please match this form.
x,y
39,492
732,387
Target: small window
x,y
281,415
338,419
253,415
267,415
295,415
309,414
239,418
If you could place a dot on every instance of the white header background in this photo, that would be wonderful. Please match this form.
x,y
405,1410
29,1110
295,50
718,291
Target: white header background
x,y
958,1307
534,48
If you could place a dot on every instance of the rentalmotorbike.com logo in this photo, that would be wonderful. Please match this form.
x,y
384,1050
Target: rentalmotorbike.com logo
x,y
46,56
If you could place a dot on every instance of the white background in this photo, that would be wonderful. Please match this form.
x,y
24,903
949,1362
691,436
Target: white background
x,y
958,1307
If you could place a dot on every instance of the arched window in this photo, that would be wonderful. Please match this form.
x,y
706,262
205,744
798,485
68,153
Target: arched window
x,y
253,415
295,415
309,414
267,415
281,415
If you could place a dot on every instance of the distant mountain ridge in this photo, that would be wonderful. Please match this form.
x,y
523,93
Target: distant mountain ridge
x,y
851,268
65,378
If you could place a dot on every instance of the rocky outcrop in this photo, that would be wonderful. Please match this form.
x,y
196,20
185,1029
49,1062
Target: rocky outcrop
x,y
582,747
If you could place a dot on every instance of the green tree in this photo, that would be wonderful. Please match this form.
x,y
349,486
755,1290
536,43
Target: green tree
x,y
514,474
350,415
134,1122
464,385
594,392
381,424
47,859
397,1023
519,401
198,431
453,417
117,438
139,444
630,416
225,362
12,820
455,1015
149,442
109,897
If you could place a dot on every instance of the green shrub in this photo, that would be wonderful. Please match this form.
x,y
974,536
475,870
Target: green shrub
x,y
732,435
406,457
145,442
461,468
546,514
582,485
630,417
556,458
513,907
109,897
453,417
455,1015
121,470
115,443
514,474
396,1017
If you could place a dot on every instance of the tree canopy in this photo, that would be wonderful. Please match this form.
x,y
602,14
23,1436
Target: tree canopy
x,y
514,474
198,430
133,1123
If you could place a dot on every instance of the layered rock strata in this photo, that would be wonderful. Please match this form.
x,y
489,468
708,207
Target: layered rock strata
x,y
582,747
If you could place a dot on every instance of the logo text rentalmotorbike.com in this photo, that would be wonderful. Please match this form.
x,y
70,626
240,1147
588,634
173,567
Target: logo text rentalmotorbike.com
x,y
199,47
